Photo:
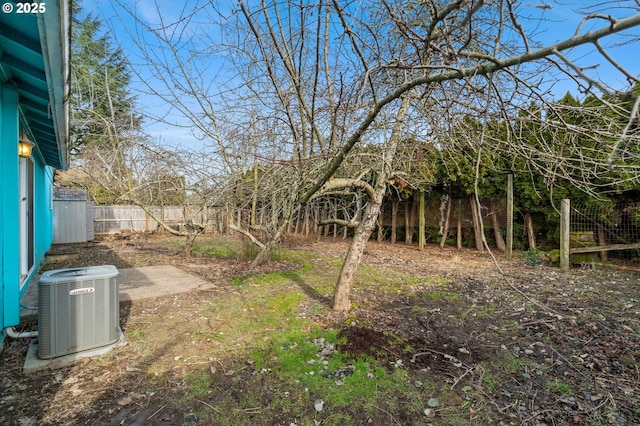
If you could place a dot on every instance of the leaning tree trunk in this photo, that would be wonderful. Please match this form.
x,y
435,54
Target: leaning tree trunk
x,y
342,294
265,251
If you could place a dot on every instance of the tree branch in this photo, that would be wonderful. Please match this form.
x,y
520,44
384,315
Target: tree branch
x,y
480,69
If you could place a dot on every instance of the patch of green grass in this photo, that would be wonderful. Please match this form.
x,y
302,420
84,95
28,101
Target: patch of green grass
x,y
449,296
308,277
223,247
393,281
135,332
560,388
489,382
305,260
338,379
419,311
387,281
487,310
428,281
513,364
259,319
197,383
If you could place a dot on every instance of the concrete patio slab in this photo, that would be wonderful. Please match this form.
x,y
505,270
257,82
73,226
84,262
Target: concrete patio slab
x,y
135,284
155,281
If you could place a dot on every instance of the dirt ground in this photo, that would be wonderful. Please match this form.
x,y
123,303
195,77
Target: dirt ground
x,y
581,327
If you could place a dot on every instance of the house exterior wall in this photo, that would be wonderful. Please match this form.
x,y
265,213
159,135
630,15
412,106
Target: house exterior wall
x,y
9,207
43,212
34,93
13,287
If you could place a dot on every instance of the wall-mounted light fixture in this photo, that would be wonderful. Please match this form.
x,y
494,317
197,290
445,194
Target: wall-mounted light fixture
x,y
24,147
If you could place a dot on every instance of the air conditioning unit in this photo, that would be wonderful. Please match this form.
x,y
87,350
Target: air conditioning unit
x,y
78,309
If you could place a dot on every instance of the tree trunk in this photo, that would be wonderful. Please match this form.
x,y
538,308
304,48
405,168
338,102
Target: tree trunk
x,y
226,219
476,224
496,229
342,294
306,221
335,215
188,245
414,215
459,235
509,215
327,227
264,253
445,230
316,222
380,223
394,220
254,197
408,221
421,222
297,225
531,235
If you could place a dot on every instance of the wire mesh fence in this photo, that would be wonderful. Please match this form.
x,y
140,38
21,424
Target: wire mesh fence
x,y
606,233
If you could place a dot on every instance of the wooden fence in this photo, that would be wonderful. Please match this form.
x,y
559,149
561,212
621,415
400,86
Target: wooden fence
x,y
398,219
115,219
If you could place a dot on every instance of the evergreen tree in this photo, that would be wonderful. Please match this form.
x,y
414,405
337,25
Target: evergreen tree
x,y
102,107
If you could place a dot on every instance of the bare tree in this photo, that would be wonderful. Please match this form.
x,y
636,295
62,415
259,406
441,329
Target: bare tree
x,y
153,177
323,80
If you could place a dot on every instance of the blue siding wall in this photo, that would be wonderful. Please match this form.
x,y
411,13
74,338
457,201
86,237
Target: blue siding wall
x,y
43,214
11,290
9,208
43,209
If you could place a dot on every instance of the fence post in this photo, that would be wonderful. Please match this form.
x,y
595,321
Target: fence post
x,y
565,205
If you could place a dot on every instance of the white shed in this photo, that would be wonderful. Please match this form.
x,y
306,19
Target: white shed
x,y
72,216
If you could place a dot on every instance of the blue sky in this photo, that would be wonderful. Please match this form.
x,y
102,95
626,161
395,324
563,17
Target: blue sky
x,y
560,23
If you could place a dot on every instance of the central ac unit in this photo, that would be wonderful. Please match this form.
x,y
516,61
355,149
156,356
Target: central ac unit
x,y
78,309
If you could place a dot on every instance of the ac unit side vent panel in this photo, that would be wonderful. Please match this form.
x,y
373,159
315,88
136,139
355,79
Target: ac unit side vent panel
x,y
78,310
